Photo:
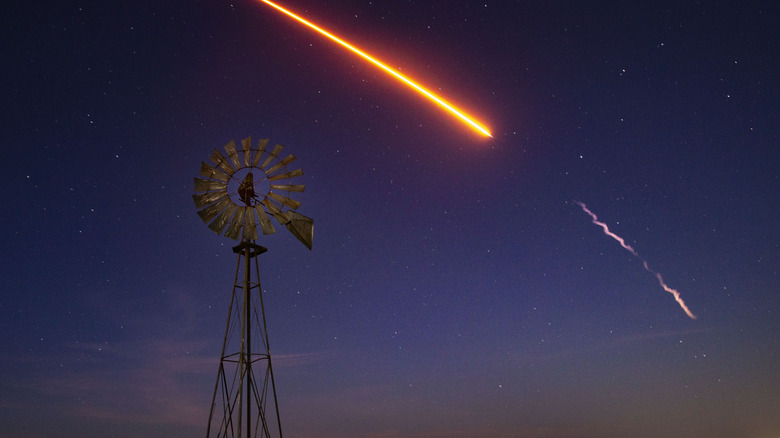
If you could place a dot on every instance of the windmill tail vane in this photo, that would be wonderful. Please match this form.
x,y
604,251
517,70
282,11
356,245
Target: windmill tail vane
x,y
230,201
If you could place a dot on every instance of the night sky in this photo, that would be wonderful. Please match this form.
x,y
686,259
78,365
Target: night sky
x,y
455,287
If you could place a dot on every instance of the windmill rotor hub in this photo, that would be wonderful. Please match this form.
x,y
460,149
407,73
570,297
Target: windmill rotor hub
x,y
246,190
248,186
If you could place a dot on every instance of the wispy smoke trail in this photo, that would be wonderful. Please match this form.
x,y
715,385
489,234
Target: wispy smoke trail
x,y
670,290
606,229
644,262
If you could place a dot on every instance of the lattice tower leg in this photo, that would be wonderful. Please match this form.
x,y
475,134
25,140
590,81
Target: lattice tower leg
x,y
244,402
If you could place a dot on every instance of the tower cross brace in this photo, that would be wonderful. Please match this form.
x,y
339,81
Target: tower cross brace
x,y
244,403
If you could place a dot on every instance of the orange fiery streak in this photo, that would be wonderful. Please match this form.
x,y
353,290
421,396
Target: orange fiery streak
x,y
444,104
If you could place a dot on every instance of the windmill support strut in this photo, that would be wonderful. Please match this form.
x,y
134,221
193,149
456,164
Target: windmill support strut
x,y
240,405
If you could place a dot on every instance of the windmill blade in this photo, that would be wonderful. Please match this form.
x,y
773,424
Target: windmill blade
x,y
207,185
288,175
234,228
284,200
204,199
230,148
301,227
211,172
260,149
246,145
265,222
278,148
208,213
219,159
275,212
290,158
288,187
250,227
223,218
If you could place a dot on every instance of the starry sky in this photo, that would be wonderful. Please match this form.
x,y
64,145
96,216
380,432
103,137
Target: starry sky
x,y
455,288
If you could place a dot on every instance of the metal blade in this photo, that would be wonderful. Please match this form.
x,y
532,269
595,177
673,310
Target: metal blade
x,y
290,158
207,185
250,226
288,188
230,148
246,144
277,214
301,227
265,222
234,228
204,199
223,218
208,213
293,174
213,173
278,148
219,159
284,200
259,153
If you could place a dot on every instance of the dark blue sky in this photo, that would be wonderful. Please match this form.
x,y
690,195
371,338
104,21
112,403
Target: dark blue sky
x,y
454,288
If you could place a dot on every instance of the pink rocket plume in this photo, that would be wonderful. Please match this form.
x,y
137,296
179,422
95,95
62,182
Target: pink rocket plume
x,y
644,263
606,229
670,290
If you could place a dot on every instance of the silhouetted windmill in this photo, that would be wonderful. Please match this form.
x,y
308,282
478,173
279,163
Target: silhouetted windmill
x,y
238,192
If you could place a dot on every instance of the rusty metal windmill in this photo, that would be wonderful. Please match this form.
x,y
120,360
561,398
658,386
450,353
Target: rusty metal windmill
x,y
233,195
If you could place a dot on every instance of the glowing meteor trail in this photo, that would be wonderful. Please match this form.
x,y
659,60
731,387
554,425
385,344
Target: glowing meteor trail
x,y
410,83
623,243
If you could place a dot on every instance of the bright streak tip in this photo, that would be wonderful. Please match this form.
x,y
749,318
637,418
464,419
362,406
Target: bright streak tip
x,y
410,83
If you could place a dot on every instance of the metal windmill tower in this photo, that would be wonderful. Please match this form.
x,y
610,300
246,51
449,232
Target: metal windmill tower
x,y
237,193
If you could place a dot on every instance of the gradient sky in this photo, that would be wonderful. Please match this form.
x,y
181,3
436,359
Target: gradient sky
x,y
454,288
